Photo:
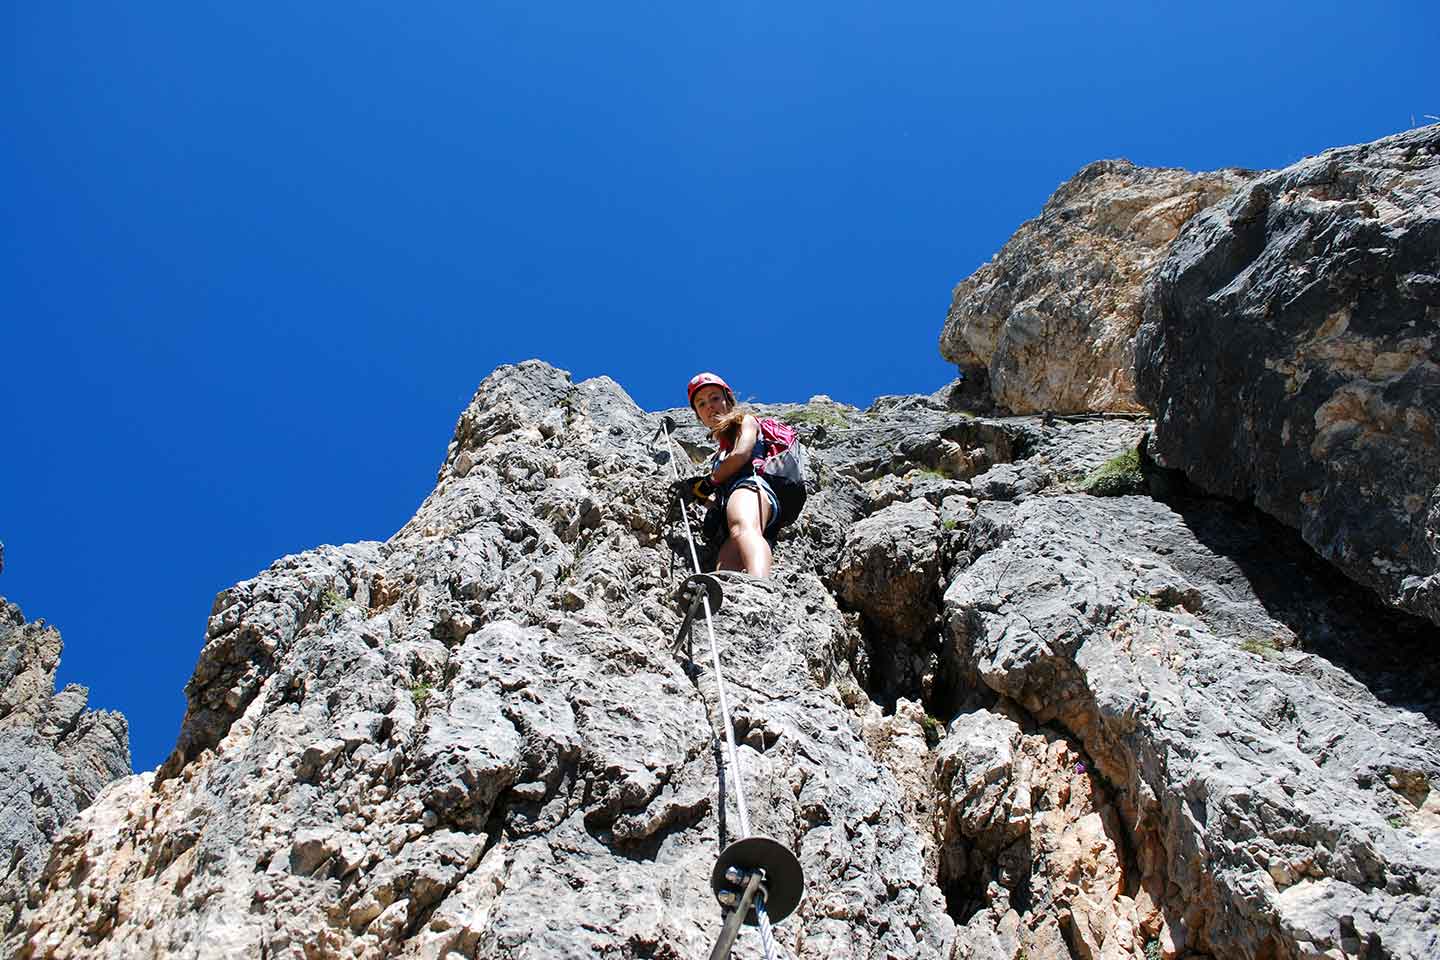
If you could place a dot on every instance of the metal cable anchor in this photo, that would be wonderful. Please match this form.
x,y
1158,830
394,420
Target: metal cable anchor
x,y
700,586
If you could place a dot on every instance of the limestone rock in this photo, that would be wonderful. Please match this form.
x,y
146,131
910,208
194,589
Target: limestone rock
x,y
1290,354
1033,844
890,566
475,738
55,755
1131,727
1049,323
1211,680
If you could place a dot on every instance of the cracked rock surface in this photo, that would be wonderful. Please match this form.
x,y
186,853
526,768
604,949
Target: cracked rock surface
x,y
1049,323
1290,354
1263,781
55,755
1061,726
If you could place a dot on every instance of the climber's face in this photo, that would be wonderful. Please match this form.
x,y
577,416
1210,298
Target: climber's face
x,y
711,403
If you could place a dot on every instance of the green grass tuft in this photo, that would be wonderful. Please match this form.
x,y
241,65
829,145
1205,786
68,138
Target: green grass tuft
x,y
1116,477
1260,646
817,417
333,601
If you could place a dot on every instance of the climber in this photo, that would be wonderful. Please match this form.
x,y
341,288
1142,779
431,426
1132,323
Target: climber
x,y
745,513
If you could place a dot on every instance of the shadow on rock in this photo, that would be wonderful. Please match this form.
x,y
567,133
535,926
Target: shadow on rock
x,y
1390,652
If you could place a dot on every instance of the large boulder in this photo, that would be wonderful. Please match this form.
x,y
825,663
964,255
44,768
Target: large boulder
x,y
1049,323
1289,352
890,566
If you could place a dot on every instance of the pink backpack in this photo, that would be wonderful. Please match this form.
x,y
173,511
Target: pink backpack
x,y
783,466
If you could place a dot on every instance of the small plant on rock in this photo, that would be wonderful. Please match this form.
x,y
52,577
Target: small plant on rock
x,y
420,693
1260,646
1152,950
333,601
1116,477
817,417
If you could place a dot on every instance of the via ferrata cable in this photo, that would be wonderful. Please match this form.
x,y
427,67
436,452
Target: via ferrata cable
x,y
766,935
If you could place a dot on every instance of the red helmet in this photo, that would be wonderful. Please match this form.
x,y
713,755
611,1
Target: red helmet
x,y
706,380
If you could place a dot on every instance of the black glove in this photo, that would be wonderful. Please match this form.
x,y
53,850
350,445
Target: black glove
x,y
694,489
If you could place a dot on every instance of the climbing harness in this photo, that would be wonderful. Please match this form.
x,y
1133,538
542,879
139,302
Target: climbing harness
x,y
755,877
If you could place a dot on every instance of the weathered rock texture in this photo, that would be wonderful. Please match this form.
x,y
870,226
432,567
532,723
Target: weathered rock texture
x,y
1062,726
1263,800
474,739
55,755
1049,323
1290,354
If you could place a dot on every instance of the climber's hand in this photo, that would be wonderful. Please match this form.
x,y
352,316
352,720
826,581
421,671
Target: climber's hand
x,y
694,489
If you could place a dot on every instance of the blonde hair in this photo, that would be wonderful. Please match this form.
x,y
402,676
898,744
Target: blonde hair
x,y
727,431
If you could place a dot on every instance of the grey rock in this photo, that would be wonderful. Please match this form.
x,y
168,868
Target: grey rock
x,y
890,566
56,756
476,739
1049,323
1263,787
1289,353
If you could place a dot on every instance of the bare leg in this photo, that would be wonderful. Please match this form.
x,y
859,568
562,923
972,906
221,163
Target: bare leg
x,y
747,513
729,557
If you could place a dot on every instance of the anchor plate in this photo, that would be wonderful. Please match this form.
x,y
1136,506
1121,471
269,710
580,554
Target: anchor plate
x,y
784,877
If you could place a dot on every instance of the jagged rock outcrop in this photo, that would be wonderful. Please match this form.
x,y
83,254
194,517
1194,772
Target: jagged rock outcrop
x,y
890,566
55,755
1273,756
1049,323
1017,799
474,738
1290,354
1102,731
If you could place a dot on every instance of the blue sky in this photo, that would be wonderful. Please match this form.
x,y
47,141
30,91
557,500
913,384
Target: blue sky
x,y
257,256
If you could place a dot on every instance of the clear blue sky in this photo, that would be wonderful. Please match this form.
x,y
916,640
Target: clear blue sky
x,y
258,255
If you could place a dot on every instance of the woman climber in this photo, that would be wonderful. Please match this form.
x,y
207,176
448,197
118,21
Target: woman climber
x,y
751,510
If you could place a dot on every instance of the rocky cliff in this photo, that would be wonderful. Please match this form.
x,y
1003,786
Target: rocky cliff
x,y
1288,347
994,716
1049,323
1291,352
55,755
1023,687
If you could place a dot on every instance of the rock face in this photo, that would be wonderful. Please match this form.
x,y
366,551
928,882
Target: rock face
x,y
55,755
1258,787
1049,323
1063,726
474,739
1290,354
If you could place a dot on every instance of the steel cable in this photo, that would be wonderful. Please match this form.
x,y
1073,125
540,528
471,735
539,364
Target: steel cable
x,y
767,937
